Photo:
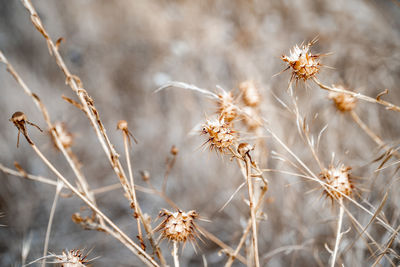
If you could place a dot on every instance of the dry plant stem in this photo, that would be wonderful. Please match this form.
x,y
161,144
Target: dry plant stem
x,y
123,237
246,231
138,213
338,233
87,103
175,254
252,211
371,134
68,154
132,185
28,176
358,95
227,249
51,217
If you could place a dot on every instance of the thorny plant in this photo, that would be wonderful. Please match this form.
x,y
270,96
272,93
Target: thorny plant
x,y
223,136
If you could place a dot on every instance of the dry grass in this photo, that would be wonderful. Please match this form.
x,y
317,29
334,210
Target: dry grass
x,y
273,190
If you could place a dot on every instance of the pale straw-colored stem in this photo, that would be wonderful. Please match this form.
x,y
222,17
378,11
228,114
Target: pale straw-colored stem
x,y
358,95
138,213
175,254
67,152
338,233
371,133
60,185
249,180
246,231
87,103
142,255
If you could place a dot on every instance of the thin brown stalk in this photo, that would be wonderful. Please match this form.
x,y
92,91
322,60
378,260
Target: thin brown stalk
x,y
141,254
138,213
246,231
28,176
252,211
67,152
87,103
371,134
227,249
377,100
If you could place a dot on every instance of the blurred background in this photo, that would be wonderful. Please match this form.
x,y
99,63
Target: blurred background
x,y
124,50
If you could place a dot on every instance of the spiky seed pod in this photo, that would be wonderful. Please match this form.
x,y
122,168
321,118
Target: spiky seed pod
x,y
250,94
339,180
178,226
220,134
64,136
72,258
343,102
304,64
226,107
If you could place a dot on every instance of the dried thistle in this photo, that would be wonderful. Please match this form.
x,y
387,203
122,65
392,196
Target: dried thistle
x,y
19,119
304,64
339,181
178,226
226,106
220,134
72,258
65,137
343,102
250,94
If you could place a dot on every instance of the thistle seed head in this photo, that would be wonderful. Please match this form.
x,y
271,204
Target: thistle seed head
x,y
72,258
304,65
339,180
250,94
226,107
178,226
220,134
343,102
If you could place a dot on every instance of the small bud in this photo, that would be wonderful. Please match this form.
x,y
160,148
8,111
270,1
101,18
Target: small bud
x,y
343,102
226,107
174,150
145,175
244,148
250,94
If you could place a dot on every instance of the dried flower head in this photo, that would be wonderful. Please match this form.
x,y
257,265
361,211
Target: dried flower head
x,y
343,102
339,180
244,149
304,64
72,258
220,134
178,226
250,94
64,136
19,119
123,126
226,106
